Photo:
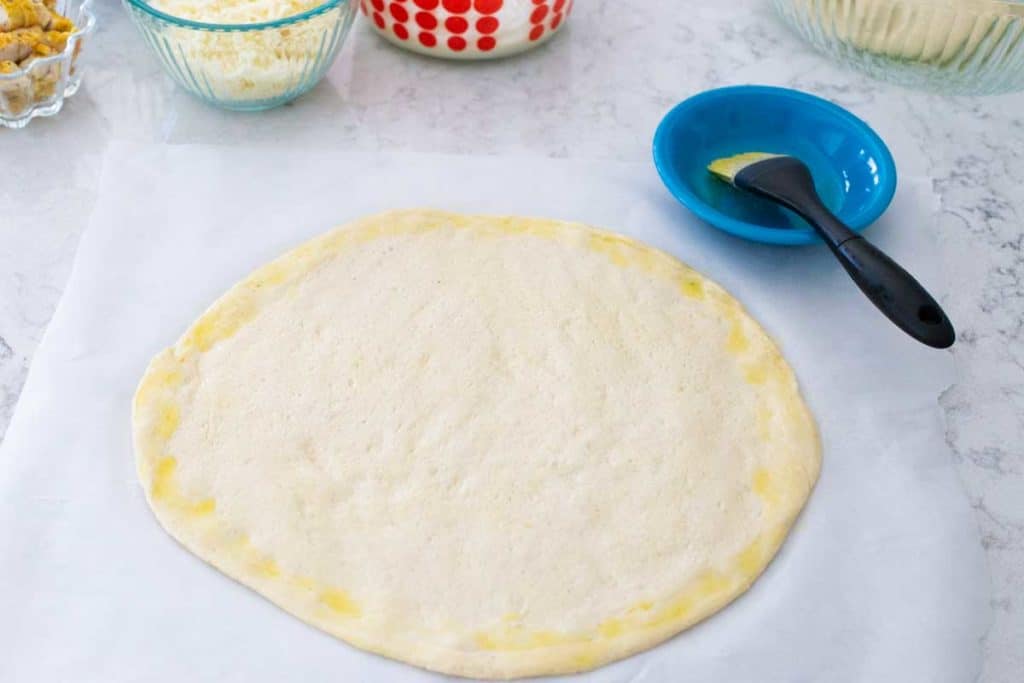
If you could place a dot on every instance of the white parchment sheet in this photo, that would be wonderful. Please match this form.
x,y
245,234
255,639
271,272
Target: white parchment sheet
x,y
882,579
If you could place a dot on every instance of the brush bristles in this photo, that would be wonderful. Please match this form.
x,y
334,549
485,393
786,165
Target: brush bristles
x,y
729,167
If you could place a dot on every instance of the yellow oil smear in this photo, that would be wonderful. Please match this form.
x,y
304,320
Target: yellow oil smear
x,y
621,251
304,582
219,324
310,251
710,585
547,639
162,379
509,225
691,286
612,247
512,637
485,642
737,341
339,602
275,273
504,225
770,368
764,487
334,242
610,628
751,559
439,221
756,374
167,421
265,567
512,617
163,475
707,586
675,610
203,507
543,230
403,225
585,659
626,253
516,638
256,562
163,488
775,537
642,606
240,542
372,232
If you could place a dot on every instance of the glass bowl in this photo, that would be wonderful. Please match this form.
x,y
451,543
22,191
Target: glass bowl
x,y
41,88
460,29
954,46
246,67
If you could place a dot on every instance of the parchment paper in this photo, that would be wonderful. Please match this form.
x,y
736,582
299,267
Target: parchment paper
x,y
882,579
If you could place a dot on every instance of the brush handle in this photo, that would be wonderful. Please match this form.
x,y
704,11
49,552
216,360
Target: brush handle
x,y
891,288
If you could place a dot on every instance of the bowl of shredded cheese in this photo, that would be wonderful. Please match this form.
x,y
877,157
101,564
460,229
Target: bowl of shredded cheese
x,y
40,45
244,55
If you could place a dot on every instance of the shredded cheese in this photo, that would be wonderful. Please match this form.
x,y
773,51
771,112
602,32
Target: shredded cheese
x,y
245,66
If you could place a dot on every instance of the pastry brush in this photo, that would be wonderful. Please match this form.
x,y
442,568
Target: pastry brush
x,y
787,181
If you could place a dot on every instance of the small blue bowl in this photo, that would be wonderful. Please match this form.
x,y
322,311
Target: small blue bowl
x,y
853,169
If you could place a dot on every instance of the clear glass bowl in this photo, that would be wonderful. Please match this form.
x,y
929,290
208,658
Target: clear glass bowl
x,y
246,67
952,46
41,88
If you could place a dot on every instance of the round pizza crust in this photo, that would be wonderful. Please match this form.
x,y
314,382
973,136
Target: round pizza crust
x,y
488,446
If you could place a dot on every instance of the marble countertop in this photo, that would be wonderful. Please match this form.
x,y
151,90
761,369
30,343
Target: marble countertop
x,y
595,92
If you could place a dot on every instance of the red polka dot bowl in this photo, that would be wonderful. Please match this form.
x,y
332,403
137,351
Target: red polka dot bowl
x,y
467,29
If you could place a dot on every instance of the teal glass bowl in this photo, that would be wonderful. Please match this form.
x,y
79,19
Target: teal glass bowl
x,y
246,67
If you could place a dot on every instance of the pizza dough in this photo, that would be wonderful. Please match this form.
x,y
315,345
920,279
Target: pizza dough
x,y
488,446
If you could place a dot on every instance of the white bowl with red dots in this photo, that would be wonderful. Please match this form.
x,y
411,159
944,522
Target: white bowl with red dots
x,y
467,29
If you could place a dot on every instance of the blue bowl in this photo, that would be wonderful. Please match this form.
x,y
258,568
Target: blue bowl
x,y
853,169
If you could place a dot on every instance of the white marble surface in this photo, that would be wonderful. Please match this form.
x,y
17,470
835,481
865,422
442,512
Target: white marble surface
x,y
597,91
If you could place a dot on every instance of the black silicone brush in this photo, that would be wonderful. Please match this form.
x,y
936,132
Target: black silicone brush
x,y
787,181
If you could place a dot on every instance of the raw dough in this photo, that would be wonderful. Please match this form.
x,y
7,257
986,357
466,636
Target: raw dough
x,y
489,446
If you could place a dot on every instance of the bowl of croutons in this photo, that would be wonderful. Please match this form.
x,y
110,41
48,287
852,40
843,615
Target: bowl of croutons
x,y
40,45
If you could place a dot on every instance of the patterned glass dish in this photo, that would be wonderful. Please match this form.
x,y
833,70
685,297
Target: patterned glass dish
x,y
952,46
41,88
467,29
246,67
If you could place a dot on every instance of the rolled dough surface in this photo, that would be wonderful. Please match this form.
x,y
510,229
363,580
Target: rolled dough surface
x,y
488,446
